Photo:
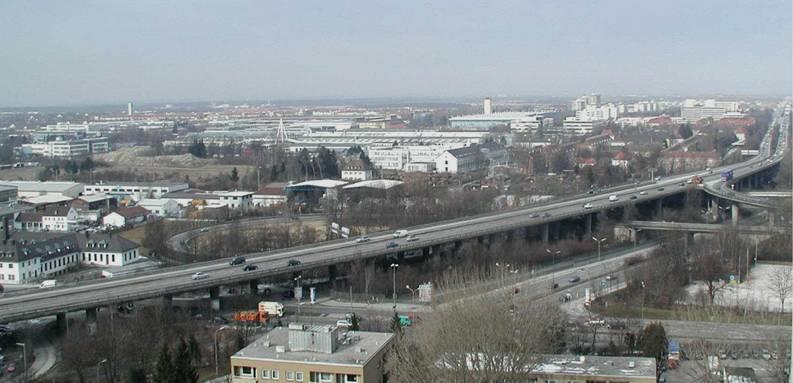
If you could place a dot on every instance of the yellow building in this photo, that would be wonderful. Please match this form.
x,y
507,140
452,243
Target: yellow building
x,y
312,354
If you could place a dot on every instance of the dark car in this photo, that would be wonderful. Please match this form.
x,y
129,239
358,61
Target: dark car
x,y
660,189
634,197
575,279
293,262
391,245
237,261
250,268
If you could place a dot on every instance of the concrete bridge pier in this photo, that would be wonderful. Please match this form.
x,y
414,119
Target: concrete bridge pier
x,y
214,298
659,208
61,326
714,208
735,213
167,301
545,232
90,314
253,285
588,226
771,218
333,273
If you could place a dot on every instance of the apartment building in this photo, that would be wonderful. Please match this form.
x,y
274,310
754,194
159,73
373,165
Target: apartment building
x,y
312,354
136,190
68,148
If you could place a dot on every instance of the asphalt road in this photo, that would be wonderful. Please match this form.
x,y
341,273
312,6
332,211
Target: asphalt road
x,y
176,280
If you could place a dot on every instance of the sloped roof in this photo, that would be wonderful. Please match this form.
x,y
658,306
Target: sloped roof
x,y
374,184
326,184
132,212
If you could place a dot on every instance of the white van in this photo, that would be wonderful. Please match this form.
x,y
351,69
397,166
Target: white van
x,y
613,198
400,233
48,284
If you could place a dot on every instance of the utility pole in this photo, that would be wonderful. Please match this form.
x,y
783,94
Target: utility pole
x,y
393,270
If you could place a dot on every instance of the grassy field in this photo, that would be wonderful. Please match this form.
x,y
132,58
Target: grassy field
x,y
691,313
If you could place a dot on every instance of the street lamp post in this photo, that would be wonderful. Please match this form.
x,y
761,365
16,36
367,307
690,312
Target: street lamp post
x,y
553,264
101,362
25,359
297,281
643,303
635,236
412,300
599,241
217,348
393,273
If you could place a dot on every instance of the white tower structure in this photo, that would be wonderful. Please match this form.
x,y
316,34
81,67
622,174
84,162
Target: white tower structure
x,y
488,106
280,135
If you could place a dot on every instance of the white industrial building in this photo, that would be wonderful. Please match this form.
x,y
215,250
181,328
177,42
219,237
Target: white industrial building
x,y
399,157
166,208
472,158
28,189
695,110
136,190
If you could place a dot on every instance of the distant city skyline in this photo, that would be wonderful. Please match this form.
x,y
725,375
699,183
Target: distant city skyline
x,y
62,53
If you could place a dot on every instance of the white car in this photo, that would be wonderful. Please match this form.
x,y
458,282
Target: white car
x,y
587,205
200,275
613,198
343,323
643,192
412,238
362,239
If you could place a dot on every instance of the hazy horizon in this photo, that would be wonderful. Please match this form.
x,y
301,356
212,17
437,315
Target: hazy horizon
x,y
66,53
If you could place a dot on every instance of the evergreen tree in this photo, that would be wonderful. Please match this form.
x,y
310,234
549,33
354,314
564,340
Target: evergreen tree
x,y
234,177
164,369
184,372
194,348
136,375
354,322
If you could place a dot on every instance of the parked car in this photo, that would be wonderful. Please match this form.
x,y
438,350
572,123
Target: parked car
x,y
200,275
11,368
293,262
250,268
362,239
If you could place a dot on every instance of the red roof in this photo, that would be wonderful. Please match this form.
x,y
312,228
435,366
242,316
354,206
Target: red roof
x,y
132,212
733,123
619,156
660,120
586,161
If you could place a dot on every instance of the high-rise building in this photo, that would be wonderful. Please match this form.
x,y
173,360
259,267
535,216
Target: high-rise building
x,y
593,99
579,104
488,106
129,109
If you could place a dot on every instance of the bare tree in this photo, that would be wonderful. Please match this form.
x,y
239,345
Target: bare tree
x,y
781,283
483,339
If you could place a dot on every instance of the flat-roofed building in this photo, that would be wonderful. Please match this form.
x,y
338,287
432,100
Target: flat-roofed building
x,y
312,354
136,190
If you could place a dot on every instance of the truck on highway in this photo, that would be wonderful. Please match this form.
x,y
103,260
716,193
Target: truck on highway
x,y
400,233
726,175
273,309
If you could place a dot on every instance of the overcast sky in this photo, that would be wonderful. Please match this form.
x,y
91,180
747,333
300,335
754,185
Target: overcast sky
x,y
59,52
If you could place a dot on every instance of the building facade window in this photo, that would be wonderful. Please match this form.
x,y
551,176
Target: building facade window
x,y
298,376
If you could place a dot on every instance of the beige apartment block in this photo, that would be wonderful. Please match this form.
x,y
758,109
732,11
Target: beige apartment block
x,y
312,354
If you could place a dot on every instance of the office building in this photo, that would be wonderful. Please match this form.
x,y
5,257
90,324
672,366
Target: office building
x,y
28,257
574,126
485,122
68,148
695,110
312,354
593,100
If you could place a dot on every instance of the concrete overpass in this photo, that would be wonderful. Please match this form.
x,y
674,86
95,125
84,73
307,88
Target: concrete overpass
x,y
175,280
704,227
